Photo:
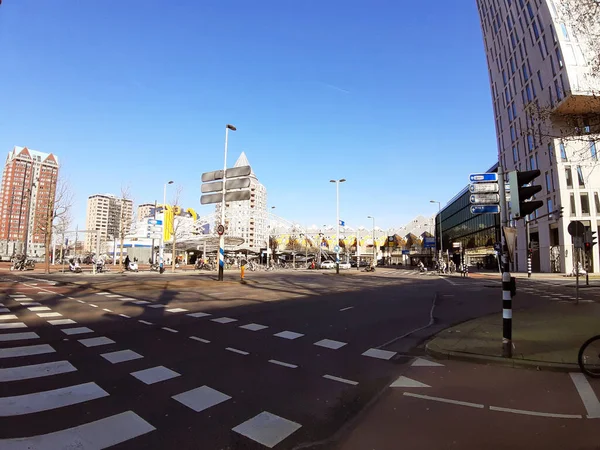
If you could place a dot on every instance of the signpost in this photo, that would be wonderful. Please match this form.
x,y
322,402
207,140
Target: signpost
x,y
485,209
484,193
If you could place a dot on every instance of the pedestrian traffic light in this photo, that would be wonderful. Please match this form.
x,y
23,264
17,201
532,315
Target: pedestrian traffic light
x,y
521,190
589,240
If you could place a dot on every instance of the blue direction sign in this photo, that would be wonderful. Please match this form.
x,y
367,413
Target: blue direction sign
x,y
485,209
483,177
155,221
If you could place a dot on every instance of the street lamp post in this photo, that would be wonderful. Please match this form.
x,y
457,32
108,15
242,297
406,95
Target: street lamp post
x,y
162,234
269,237
439,213
374,248
222,236
337,236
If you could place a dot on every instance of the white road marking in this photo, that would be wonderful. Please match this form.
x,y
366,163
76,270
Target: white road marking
x,y
125,316
328,343
204,341
140,302
267,429
121,356
380,354
235,350
6,326
70,298
421,362
17,336
36,371
254,327
50,314
288,335
170,329
102,293
17,295
443,400
450,281
92,305
100,434
114,295
106,309
176,310
154,374
198,314
96,341
31,304
587,394
201,398
77,330
44,401
8,317
157,306
535,413
284,364
346,309
341,380
4,310
39,308
61,322
406,382
224,320
80,301
145,322
28,350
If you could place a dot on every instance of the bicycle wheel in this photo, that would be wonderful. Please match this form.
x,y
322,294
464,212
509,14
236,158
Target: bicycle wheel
x,y
589,357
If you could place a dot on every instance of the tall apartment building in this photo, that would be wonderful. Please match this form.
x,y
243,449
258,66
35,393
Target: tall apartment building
x,y
144,210
546,112
26,200
247,219
108,214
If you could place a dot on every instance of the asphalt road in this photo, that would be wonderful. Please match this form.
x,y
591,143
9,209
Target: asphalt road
x,y
283,361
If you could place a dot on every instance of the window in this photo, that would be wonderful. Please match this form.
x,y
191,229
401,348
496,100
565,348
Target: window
x,y
559,58
563,152
532,162
573,210
550,152
597,203
548,183
515,154
564,31
593,150
585,204
530,142
550,205
568,177
580,177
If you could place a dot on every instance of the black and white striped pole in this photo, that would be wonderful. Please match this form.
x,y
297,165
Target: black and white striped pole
x,y
528,242
506,279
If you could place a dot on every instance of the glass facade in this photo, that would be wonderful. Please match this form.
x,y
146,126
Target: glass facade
x,y
473,231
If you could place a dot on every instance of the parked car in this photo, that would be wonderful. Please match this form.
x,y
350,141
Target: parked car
x,y
345,265
327,265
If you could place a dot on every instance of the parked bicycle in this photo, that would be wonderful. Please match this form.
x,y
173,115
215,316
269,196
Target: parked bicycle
x,y
589,357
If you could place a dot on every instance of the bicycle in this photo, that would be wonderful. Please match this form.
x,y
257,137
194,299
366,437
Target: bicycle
x,y
589,357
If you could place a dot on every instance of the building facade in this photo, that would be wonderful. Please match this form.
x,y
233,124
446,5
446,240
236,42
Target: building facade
x,y
110,216
462,231
27,200
546,110
248,218
145,210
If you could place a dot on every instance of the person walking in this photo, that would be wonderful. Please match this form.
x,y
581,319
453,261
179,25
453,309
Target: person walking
x,y
243,263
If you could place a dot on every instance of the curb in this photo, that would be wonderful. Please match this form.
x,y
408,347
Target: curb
x,y
440,353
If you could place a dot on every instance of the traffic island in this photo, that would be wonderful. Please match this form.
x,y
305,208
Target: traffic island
x,y
544,338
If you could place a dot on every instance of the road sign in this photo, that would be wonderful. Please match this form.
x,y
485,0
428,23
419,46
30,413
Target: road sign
x,y
483,177
220,230
155,228
336,248
153,235
485,209
406,252
479,199
233,196
456,245
483,187
342,223
235,183
429,242
154,222
576,228
234,172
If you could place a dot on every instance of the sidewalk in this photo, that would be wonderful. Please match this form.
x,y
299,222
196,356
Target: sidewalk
x,y
548,337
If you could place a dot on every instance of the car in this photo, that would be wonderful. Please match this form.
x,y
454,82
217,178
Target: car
x,y
345,265
327,265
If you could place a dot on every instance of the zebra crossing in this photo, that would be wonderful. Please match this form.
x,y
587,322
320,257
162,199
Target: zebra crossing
x,y
19,350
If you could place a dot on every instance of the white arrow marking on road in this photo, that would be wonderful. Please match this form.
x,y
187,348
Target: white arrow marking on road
x,y
420,362
587,394
408,383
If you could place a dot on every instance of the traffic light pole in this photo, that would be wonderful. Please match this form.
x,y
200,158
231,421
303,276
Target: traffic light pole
x,y
506,284
528,242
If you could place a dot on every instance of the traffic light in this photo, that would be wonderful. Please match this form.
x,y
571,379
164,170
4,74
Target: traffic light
x,y
589,240
520,192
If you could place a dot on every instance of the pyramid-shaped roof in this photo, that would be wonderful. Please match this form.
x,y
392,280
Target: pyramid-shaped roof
x,y
243,161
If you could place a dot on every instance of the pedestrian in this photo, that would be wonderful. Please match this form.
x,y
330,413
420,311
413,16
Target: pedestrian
x,y
243,263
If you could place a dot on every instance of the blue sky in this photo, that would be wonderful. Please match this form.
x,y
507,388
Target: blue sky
x,y
393,96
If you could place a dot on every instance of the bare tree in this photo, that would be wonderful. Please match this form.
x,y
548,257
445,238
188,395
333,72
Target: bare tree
x,y
177,228
125,215
57,199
